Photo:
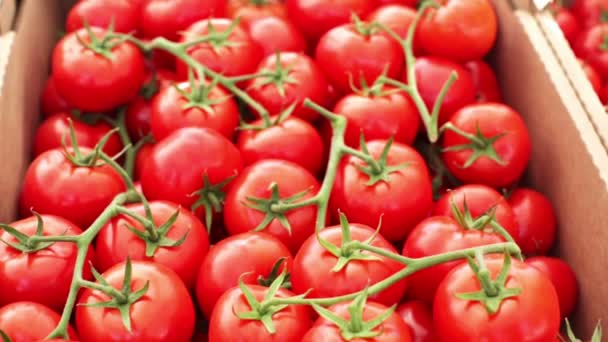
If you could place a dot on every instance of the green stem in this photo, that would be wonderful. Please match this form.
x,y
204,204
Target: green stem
x,y
126,141
54,238
383,252
284,207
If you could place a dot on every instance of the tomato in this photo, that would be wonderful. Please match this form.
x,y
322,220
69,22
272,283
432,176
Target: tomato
x,y
250,10
533,315
235,55
485,81
590,47
409,3
496,150
172,110
348,54
436,235
569,24
460,30
536,220
263,251
590,12
29,321
56,128
51,102
274,34
563,278
122,14
53,185
141,158
42,276
393,329
379,116
403,199
296,78
418,317
165,313
431,75
397,17
314,267
592,75
255,181
290,324
294,140
161,18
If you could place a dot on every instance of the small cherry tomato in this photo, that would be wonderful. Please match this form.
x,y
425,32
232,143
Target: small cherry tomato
x,y
536,220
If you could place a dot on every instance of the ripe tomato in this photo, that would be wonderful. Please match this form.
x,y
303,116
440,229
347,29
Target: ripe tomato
x,y
347,53
409,3
418,317
42,276
590,47
166,298
140,160
496,150
403,199
79,194
436,235
250,10
30,321
122,14
161,18
460,30
485,81
255,181
533,315
51,102
592,75
55,128
291,323
274,34
263,251
590,12
563,278
324,280
235,55
381,116
536,220
294,140
92,82
294,80
569,24
397,17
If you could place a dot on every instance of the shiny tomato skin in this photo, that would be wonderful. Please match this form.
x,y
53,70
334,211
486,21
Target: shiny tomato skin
x,y
531,316
403,202
249,11
513,148
536,219
274,34
294,140
590,12
460,30
306,82
50,134
123,14
592,75
568,23
313,264
89,81
409,3
418,316
30,321
397,17
485,81
588,46
78,194
290,323
167,297
263,251
563,279
240,58
255,181
44,276
140,160
51,102
391,330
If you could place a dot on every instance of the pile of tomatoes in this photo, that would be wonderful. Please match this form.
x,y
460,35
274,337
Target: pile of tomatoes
x,y
258,170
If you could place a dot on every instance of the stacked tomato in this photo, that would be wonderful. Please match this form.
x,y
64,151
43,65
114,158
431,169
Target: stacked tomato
x,y
264,171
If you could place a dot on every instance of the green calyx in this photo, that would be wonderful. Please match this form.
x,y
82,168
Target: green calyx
x,y
596,337
102,46
199,94
279,76
92,159
363,28
259,3
481,145
211,198
5,337
284,115
148,90
377,170
274,274
466,220
218,40
24,242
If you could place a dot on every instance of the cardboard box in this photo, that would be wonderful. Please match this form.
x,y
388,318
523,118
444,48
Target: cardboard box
x,y
567,125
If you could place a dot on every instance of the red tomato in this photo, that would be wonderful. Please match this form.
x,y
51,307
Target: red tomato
x,y
263,251
568,23
393,329
381,116
79,194
397,17
590,47
42,276
250,10
590,12
140,160
485,81
274,34
122,14
290,324
409,3
604,94
166,298
325,281
294,140
161,18
346,53
418,317
29,321
402,200
563,278
51,102
460,30
300,78
236,55
592,75
533,315
55,128
536,220
255,181
499,150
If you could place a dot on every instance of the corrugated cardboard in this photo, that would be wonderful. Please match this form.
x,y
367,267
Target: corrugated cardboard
x,y
569,161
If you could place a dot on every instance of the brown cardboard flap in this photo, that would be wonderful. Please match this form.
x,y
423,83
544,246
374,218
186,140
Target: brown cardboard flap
x,y
7,15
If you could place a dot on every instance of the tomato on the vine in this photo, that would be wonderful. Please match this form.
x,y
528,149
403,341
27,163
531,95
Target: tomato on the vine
x,y
121,15
409,3
568,23
30,321
250,10
51,102
590,12
563,279
536,219
161,18
591,47
397,17
418,317
274,34
485,81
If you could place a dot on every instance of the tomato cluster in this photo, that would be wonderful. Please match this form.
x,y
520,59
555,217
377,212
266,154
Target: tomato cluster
x,y
307,170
